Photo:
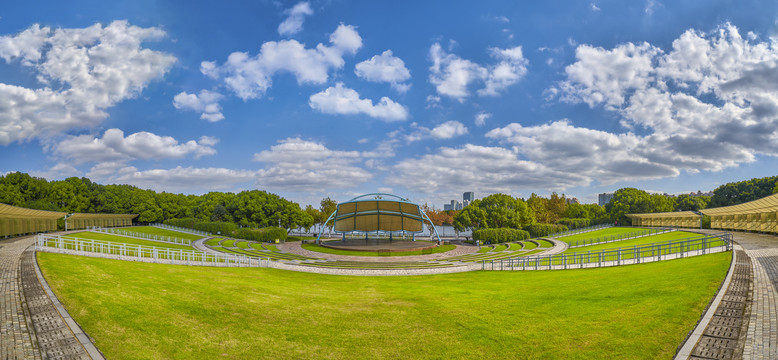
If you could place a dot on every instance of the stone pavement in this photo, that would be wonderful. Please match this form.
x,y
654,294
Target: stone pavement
x,y
32,326
295,247
761,337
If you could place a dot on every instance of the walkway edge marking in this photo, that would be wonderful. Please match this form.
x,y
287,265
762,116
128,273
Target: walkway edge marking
x,y
691,341
79,333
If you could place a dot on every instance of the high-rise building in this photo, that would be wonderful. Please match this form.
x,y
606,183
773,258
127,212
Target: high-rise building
x,y
468,196
604,198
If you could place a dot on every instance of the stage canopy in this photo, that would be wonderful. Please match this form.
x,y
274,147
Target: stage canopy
x,y
380,214
83,221
760,215
684,219
16,220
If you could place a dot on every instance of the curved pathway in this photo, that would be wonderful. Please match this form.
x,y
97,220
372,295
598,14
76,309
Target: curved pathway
x,y
296,248
33,324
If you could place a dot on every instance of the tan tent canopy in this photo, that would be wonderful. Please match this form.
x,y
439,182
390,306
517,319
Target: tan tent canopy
x,y
16,220
685,219
378,215
758,215
83,221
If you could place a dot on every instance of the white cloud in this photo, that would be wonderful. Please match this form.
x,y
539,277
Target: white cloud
x,y
342,100
83,72
206,102
115,147
452,75
706,105
448,130
385,68
650,7
250,76
59,171
481,117
184,178
594,7
293,23
479,168
299,165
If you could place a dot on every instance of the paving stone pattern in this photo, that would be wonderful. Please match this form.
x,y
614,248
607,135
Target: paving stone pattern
x,y
762,341
724,337
17,338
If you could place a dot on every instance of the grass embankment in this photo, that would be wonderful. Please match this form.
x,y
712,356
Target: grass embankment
x,y
88,235
661,238
322,249
140,310
611,231
161,232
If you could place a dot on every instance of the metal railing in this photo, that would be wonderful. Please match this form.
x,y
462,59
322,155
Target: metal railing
x,y
614,257
145,236
44,242
620,237
580,230
182,229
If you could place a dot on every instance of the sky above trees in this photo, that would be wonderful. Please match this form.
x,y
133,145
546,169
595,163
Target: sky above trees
x,y
427,100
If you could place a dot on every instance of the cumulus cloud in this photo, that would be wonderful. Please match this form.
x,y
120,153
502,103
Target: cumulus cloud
x,y
481,117
113,146
448,130
293,23
82,71
481,168
249,77
184,178
206,102
59,171
452,75
300,165
385,68
342,100
706,104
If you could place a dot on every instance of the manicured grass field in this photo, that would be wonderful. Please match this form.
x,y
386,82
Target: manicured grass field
x,y
529,245
611,231
322,249
213,242
514,247
671,236
162,232
127,240
141,310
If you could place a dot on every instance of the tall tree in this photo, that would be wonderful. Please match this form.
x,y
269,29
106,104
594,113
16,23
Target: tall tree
x,y
328,206
494,211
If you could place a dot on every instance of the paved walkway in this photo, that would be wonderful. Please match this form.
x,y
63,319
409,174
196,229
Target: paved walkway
x,y
32,326
296,248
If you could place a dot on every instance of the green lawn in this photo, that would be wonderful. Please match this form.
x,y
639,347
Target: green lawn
x,y
142,310
322,249
529,245
127,240
514,247
213,242
665,237
162,232
611,231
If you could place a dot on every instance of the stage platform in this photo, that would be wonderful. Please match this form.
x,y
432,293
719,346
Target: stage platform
x,y
382,245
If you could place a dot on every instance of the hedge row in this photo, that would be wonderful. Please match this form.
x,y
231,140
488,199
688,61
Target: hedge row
x,y
540,230
188,223
216,227
495,236
270,233
575,223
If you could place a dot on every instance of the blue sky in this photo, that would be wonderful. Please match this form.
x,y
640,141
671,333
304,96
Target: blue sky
x,y
423,99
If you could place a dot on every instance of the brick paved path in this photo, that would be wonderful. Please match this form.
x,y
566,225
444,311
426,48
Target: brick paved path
x,y
296,248
32,327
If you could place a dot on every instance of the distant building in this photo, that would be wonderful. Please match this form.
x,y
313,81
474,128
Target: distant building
x,y
468,196
572,200
604,198
455,205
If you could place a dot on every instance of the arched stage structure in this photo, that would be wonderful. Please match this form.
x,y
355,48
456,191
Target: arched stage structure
x,y
379,219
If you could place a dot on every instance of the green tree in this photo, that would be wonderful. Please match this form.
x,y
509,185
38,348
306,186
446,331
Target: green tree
x,y
328,206
687,202
219,213
494,211
634,201
315,215
743,191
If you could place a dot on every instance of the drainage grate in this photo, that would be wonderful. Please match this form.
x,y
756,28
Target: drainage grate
x,y
722,338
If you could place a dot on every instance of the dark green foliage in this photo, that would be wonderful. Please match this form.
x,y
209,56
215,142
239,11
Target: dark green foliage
x,y
743,191
188,223
494,211
499,235
539,230
686,202
216,227
634,201
575,223
266,234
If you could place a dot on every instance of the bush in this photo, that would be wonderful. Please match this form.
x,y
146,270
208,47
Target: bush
x,y
267,234
216,227
188,223
575,223
500,235
539,230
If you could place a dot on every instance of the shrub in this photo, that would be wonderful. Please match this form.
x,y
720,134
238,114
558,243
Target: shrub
x,y
216,227
538,230
575,223
500,235
184,222
267,234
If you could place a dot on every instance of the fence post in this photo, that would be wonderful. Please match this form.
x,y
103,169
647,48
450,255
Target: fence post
x,y
619,257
